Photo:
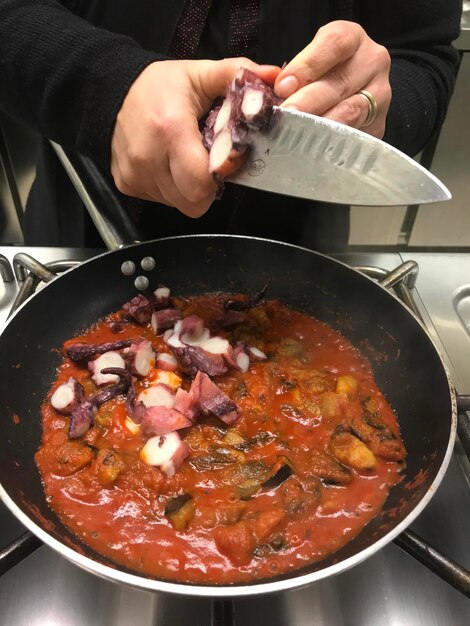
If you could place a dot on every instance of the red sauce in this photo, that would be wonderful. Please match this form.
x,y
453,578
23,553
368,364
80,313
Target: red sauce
x,y
294,406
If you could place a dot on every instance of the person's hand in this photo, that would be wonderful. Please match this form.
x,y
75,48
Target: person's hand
x,y
326,76
156,151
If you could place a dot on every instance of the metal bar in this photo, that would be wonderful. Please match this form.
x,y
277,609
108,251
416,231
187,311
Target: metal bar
x,y
448,570
5,270
23,261
18,550
32,280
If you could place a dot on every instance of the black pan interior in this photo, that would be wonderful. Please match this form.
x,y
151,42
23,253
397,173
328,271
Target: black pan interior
x,y
405,362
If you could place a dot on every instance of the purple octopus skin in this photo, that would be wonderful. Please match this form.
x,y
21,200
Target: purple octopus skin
x,y
111,391
213,401
83,417
161,298
192,359
230,319
164,319
248,106
244,305
135,410
85,352
139,308
140,357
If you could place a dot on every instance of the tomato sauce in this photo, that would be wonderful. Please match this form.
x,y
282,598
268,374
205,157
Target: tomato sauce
x,y
308,464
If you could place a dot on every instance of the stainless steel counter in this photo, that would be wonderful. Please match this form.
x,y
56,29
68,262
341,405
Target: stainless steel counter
x,y
389,589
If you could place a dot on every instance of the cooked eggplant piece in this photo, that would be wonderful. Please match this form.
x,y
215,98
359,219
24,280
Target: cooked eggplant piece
x,y
351,451
109,464
247,477
326,467
180,511
379,437
217,458
234,438
282,474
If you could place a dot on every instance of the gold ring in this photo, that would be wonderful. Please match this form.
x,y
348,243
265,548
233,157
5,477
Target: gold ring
x,y
372,103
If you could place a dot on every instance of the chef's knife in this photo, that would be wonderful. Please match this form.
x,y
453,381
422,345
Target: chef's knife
x,y
311,157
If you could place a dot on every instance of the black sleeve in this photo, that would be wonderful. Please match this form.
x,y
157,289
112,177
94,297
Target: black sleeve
x,y
64,77
418,35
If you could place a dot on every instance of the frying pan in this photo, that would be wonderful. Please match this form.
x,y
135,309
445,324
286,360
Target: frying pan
x,y
406,365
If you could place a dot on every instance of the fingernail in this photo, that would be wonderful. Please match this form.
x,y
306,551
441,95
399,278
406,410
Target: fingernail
x,y
287,86
292,107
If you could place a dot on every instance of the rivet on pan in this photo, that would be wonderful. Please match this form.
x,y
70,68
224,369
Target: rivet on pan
x,y
141,283
128,268
148,263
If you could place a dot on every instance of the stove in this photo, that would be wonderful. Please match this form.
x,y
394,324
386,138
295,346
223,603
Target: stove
x,y
388,589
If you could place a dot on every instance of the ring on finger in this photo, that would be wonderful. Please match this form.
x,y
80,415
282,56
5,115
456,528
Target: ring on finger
x,y
372,104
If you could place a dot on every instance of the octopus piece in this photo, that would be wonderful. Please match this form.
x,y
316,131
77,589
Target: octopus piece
x,y
135,409
194,348
160,420
192,359
67,396
139,309
166,361
238,358
248,106
124,379
157,395
161,298
83,416
140,357
188,331
256,354
244,305
81,419
108,359
163,319
84,352
186,402
213,401
166,452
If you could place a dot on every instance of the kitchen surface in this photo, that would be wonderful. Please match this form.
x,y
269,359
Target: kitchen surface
x,y
390,588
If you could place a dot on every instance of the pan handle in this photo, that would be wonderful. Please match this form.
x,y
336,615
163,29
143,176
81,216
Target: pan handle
x,y
18,550
102,202
448,570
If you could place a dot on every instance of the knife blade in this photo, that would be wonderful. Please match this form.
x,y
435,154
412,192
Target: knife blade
x,y
307,156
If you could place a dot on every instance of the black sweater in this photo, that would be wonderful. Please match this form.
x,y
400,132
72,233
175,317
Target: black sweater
x,y
65,67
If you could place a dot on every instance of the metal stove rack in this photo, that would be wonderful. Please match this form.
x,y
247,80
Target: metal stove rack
x,y
31,273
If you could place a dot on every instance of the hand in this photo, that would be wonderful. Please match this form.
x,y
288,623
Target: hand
x,y
156,150
325,77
